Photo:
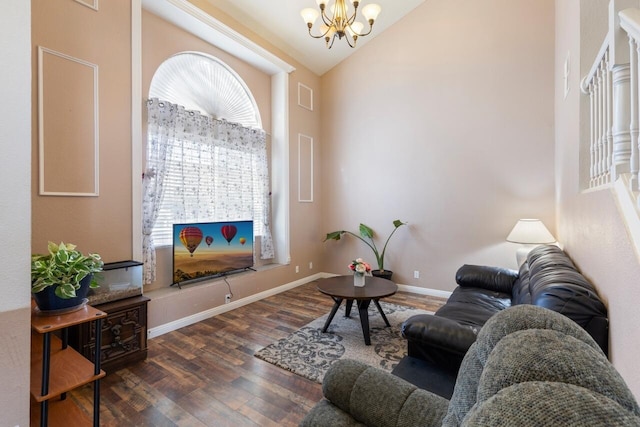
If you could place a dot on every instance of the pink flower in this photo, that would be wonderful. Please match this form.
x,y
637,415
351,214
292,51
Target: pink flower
x,y
360,266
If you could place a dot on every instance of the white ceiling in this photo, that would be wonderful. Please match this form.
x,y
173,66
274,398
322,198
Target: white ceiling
x,y
279,22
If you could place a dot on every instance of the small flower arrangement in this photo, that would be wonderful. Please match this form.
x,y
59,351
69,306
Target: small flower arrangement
x,y
359,266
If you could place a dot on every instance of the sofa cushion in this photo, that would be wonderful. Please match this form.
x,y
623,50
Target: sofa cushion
x,y
486,277
473,306
549,279
537,403
560,380
552,356
357,394
444,338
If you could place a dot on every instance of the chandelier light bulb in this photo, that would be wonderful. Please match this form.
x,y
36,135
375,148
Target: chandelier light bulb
x,y
355,29
331,31
371,12
309,15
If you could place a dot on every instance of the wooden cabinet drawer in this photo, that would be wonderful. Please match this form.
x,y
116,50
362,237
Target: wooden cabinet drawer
x,y
124,334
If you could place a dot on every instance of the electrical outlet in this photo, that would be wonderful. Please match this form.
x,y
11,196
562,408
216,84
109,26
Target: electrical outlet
x,y
416,274
297,269
227,298
310,265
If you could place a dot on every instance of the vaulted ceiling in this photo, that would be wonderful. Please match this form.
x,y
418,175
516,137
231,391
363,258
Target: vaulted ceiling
x,y
279,21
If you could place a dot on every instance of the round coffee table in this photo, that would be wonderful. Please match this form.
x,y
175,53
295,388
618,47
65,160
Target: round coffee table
x,y
341,288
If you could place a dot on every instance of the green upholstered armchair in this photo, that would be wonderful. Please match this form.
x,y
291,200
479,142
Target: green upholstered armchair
x,y
529,367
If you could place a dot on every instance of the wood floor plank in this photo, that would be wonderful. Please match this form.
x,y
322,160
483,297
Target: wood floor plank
x,y
206,375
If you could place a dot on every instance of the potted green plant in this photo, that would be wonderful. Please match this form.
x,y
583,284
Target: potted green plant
x,y
61,279
367,235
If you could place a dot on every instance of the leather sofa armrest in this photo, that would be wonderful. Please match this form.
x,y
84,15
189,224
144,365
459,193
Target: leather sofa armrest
x,y
376,398
496,279
439,332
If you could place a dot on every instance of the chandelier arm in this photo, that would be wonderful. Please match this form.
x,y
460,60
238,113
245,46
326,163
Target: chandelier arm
x,y
333,39
325,19
363,34
321,35
352,19
346,36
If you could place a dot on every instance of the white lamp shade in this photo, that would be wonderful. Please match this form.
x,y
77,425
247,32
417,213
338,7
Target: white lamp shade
x,y
371,11
355,28
309,15
530,231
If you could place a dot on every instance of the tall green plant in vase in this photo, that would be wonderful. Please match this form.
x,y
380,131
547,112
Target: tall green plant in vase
x,y
367,235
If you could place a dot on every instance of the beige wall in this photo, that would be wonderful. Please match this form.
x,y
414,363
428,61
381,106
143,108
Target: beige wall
x,y
589,224
445,121
15,151
96,224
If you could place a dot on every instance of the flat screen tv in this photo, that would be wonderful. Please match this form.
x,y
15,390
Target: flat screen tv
x,y
208,249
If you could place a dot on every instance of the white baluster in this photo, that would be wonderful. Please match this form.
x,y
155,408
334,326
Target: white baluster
x,y
600,125
621,133
592,99
609,107
633,112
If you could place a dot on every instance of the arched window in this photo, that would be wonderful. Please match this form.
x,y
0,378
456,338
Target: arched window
x,y
203,83
206,153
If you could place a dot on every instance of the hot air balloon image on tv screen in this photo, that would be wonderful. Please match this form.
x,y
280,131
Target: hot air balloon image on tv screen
x,y
208,249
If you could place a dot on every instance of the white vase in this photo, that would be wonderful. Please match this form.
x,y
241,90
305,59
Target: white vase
x,y
358,279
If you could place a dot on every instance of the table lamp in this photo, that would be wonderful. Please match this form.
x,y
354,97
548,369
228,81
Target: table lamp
x,y
530,233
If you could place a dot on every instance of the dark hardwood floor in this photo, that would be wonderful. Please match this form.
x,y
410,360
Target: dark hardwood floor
x,y
206,375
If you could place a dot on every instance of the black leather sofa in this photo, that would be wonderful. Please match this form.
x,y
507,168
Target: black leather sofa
x,y
548,278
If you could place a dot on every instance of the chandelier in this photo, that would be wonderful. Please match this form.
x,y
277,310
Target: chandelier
x,y
340,24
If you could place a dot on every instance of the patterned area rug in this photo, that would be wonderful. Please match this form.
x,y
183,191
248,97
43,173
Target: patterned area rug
x,y
309,353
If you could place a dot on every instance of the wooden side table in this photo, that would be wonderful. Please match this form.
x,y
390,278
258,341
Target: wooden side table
x,y
57,369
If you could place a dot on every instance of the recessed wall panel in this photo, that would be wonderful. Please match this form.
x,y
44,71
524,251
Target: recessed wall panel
x,y
305,168
68,125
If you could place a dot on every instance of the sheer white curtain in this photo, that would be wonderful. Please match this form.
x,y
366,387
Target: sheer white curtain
x,y
201,169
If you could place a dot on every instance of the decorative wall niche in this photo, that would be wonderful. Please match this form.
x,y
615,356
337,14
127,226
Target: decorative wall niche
x,y
67,125
305,168
305,97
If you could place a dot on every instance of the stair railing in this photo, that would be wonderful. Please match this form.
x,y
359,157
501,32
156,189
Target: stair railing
x,y
612,86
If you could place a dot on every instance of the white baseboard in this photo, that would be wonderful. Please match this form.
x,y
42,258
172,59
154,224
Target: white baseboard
x,y
198,317
424,291
203,315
